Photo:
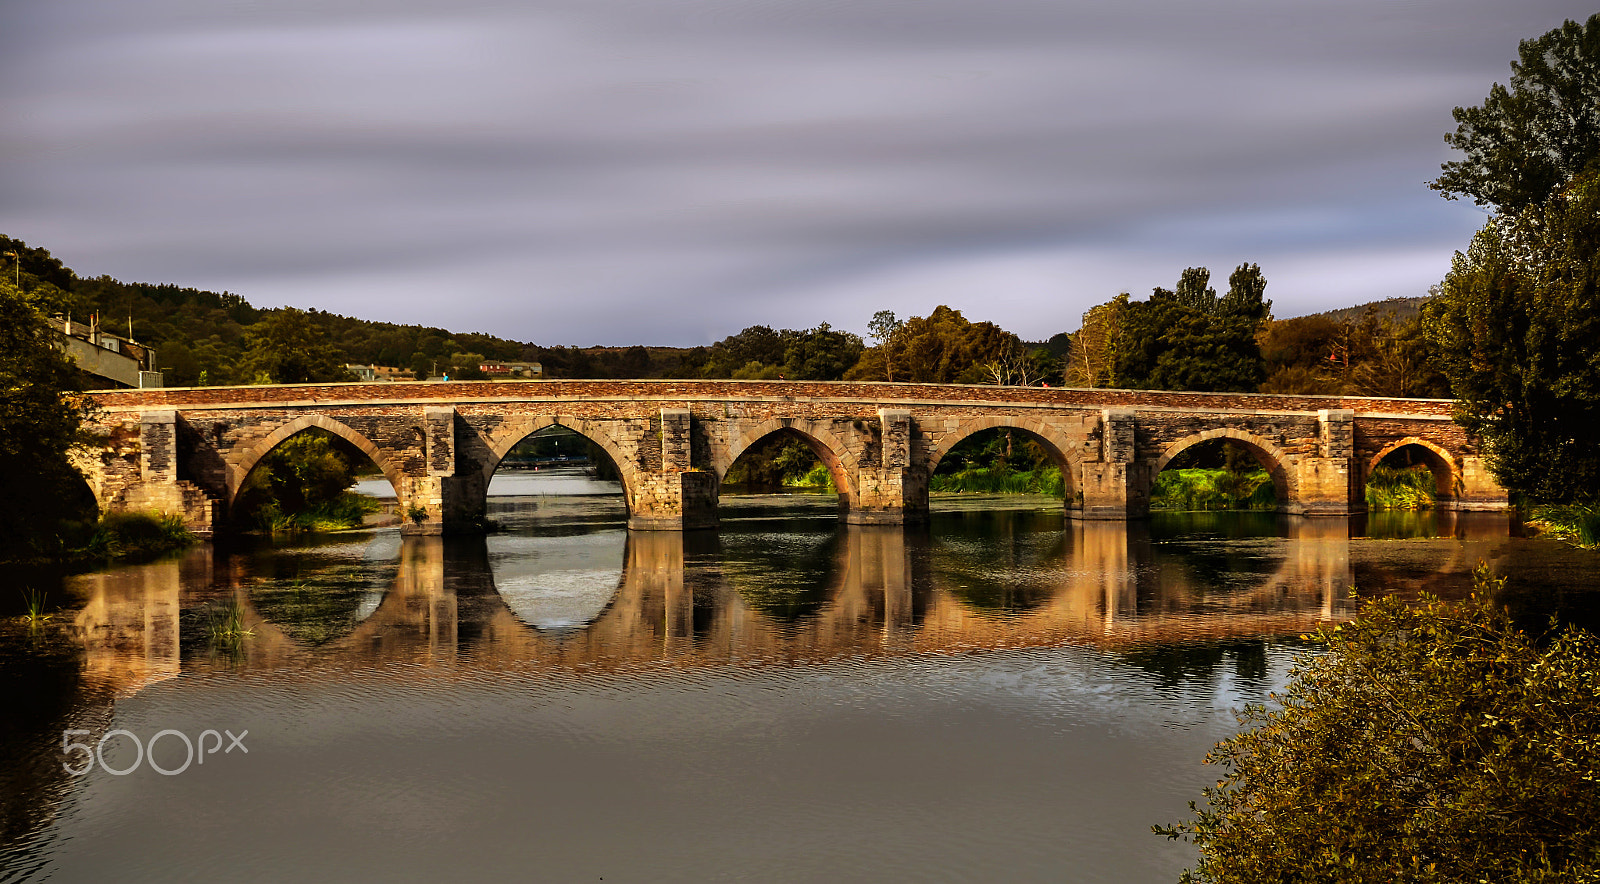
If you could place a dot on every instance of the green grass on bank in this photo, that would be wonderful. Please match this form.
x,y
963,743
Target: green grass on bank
x,y
1198,489
133,535
1392,488
1574,523
991,480
346,511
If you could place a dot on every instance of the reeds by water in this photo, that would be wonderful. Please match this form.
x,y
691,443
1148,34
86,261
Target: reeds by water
x,y
1396,488
989,480
1198,489
1574,523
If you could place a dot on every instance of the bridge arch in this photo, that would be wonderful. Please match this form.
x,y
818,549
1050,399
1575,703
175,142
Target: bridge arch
x,y
1054,442
1272,458
817,435
519,428
1446,471
251,456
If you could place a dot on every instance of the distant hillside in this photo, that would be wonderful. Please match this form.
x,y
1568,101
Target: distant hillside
x,y
200,336
1402,309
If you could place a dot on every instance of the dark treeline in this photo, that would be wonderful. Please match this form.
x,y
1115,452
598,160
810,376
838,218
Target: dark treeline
x,y
1188,337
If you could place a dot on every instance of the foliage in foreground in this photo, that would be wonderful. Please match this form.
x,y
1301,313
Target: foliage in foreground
x,y
1572,523
1427,744
40,420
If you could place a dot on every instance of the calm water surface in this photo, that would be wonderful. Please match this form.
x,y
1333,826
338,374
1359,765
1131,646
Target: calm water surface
x,y
1002,694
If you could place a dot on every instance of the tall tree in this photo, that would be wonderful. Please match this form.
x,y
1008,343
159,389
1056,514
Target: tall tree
x,y
290,347
1092,358
39,423
943,347
1515,331
1526,141
1190,339
823,353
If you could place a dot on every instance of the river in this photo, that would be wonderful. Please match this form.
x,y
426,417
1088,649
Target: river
x,y
1000,694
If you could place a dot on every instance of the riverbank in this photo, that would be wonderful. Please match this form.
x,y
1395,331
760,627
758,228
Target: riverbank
x,y
115,538
1569,523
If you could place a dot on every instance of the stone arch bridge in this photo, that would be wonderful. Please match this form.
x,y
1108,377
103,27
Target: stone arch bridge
x,y
189,450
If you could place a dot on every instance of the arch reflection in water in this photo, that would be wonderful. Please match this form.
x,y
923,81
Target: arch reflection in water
x,y
557,582
319,591
698,598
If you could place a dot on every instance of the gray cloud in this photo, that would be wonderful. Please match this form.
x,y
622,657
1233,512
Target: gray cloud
x,y
616,172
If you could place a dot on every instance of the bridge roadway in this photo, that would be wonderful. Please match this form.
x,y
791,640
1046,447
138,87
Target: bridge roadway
x,y
189,450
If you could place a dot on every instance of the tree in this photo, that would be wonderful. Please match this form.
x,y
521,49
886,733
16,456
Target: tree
x,y
1515,330
819,354
940,348
40,419
1190,339
1426,744
289,347
1523,143
308,476
1093,354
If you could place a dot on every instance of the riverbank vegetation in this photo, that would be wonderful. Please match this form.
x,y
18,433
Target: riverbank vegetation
x,y
304,485
1428,742
1400,488
1577,524
998,461
782,460
133,536
1217,475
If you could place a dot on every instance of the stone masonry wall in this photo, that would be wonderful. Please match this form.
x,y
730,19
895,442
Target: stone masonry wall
x,y
673,440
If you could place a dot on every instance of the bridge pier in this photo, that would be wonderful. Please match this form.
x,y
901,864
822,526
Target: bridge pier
x,y
891,493
676,497
1325,483
1117,486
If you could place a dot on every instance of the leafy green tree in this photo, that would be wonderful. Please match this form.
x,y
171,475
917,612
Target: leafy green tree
x,y
290,347
758,343
1527,141
1092,361
1426,744
1515,331
39,423
1191,339
309,474
823,353
943,347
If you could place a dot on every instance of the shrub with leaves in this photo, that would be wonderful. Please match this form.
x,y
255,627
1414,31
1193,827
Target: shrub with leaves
x,y
1429,743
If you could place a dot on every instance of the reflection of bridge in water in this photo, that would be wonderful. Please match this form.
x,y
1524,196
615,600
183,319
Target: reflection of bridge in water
x,y
681,601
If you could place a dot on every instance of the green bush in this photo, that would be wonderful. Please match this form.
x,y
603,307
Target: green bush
x,y
819,476
1198,488
129,535
1394,488
1574,523
1434,743
1000,479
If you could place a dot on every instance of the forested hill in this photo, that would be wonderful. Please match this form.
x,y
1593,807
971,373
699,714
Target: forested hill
x,y
196,331
1228,343
1399,309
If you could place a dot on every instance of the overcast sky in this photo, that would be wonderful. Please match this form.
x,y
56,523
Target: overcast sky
x,y
617,172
